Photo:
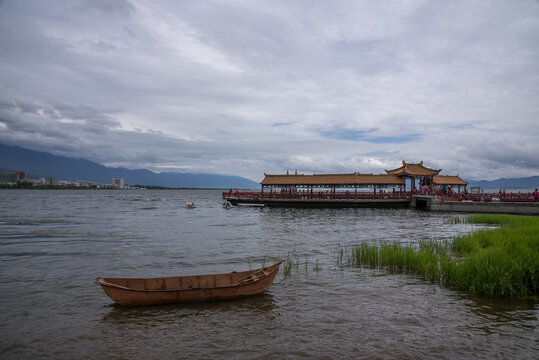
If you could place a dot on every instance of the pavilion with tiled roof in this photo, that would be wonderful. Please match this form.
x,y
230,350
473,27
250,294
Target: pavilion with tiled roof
x,y
350,189
331,181
449,180
415,171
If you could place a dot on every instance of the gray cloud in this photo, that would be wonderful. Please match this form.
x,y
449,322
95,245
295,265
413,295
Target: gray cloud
x,y
245,88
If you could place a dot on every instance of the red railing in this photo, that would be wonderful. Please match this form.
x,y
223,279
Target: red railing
x,y
489,197
379,195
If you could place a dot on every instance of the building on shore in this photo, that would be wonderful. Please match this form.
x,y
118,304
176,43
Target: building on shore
x,y
118,183
51,181
14,177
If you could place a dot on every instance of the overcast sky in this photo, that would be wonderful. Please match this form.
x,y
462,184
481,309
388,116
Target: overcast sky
x,y
247,87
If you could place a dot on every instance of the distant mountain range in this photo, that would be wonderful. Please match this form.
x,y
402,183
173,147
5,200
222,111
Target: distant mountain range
x,y
527,183
39,164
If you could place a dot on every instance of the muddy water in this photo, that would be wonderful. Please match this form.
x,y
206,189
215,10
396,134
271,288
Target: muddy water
x,y
53,244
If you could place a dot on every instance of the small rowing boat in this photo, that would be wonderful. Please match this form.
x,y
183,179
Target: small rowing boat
x,y
181,289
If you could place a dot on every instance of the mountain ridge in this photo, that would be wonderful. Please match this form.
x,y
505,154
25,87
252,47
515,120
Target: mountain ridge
x,y
527,183
43,164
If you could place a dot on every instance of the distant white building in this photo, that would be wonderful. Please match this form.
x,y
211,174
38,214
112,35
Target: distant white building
x,y
51,181
118,183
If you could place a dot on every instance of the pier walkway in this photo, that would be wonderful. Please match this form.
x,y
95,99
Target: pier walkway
x,y
514,203
320,199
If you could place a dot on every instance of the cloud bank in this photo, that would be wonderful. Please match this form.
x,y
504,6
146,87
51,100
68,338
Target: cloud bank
x,y
247,87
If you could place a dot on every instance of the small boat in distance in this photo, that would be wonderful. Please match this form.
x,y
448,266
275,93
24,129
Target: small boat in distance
x,y
190,205
182,289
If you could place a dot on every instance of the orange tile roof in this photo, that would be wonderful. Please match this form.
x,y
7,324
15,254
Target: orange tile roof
x,y
413,170
448,180
332,179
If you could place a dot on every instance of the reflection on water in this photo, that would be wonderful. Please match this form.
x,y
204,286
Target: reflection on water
x,y
119,315
53,244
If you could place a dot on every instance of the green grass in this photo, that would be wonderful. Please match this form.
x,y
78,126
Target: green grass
x,y
501,262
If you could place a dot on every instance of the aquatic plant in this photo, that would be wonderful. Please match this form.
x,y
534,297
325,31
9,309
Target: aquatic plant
x,y
287,265
293,262
457,220
501,262
317,267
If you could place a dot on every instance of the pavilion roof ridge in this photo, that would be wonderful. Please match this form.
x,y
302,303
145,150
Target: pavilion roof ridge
x,y
413,168
285,174
379,174
330,174
335,174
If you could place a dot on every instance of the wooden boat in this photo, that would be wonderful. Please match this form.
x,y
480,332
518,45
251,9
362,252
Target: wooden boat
x,y
180,289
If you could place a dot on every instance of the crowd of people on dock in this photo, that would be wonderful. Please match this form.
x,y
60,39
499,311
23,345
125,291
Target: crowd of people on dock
x,y
502,196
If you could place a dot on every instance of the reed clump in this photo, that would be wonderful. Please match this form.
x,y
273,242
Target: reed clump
x,y
287,265
293,262
457,220
317,266
502,262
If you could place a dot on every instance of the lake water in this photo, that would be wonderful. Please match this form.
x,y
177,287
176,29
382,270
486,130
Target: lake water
x,y
53,244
